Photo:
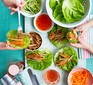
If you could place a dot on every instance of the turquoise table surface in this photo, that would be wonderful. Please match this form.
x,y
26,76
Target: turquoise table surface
x,y
92,7
8,22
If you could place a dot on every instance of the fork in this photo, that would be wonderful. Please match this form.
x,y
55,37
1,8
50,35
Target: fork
x,y
19,22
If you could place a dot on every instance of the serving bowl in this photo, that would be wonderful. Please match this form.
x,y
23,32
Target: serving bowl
x,y
43,23
83,70
27,14
52,77
87,7
35,41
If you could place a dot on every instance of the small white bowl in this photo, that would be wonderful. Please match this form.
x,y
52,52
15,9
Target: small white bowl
x,y
43,31
35,35
32,15
70,25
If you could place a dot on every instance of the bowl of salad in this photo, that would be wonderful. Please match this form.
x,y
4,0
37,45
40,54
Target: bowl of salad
x,y
31,8
68,13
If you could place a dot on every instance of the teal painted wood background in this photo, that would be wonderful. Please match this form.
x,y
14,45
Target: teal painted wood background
x,y
92,7
8,22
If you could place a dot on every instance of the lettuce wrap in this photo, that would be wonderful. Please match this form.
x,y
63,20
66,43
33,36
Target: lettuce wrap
x,y
58,36
19,41
39,59
66,58
72,36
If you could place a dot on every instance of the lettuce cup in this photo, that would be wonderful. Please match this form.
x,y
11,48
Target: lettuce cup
x,y
66,58
57,36
72,36
18,40
39,59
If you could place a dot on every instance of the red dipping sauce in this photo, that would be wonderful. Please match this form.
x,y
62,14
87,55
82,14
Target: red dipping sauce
x,y
43,22
52,77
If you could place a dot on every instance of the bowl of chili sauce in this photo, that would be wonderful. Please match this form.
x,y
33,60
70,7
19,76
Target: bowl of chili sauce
x,y
43,23
52,77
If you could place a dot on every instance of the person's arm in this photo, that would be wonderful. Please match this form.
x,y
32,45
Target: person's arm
x,y
90,49
14,4
90,23
83,29
5,46
82,44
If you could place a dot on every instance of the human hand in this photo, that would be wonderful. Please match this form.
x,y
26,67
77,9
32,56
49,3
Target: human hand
x,y
82,29
5,46
81,44
14,4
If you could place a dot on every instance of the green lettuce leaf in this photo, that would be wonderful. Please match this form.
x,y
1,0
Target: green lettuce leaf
x,y
72,10
13,34
71,63
53,3
38,64
67,11
70,39
62,42
58,15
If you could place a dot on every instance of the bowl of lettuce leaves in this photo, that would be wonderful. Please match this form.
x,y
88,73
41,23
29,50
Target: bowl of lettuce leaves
x,y
66,58
31,8
68,13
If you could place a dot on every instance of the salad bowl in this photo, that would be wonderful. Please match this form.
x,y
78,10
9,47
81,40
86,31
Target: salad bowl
x,y
71,17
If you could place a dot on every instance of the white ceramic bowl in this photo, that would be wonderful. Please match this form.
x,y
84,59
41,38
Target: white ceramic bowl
x,y
32,15
31,33
43,31
90,77
70,25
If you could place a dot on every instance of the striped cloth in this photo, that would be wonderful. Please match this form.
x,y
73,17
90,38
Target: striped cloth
x,y
83,54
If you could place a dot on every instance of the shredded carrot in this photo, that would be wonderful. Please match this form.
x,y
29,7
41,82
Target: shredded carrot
x,y
18,43
80,78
